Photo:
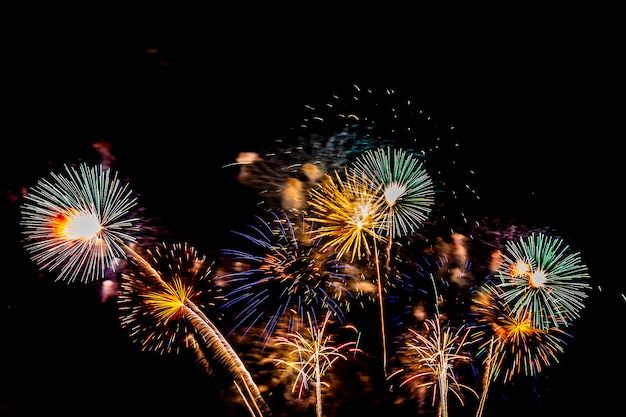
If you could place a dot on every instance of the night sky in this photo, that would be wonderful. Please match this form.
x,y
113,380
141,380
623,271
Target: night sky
x,y
527,99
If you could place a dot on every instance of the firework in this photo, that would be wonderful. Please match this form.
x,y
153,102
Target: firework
x,y
509,344
543,280
406,186
76,223
315,355
285,274
154,314
165,294
348,215
334,131
432,356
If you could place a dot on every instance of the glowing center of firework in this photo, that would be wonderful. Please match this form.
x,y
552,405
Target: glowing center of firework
x,y
519,268
393,193
79,226
362,213
538,278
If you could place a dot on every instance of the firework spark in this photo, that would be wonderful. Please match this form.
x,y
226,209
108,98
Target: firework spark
x,y
334,131
77,223
542,279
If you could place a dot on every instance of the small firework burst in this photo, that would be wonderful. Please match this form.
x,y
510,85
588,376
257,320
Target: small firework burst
x,y
544,280
153,311
285,274
77,223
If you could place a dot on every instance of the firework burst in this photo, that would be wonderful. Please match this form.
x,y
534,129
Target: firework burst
x,y
509,344
153,313
406,187
159,310
432,356
520,347
348,214
285,273
334,131
76,223
543,280
315,356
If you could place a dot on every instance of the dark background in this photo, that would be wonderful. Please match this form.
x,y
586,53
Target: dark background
x,y
178,96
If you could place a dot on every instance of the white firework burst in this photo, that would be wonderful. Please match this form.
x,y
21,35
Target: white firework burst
x,y
76,223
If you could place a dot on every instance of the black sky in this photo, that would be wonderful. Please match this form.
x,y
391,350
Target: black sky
x,y
529,96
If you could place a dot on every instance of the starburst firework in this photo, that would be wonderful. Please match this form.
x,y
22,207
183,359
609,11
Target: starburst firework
x,y
543,280
349,215
285,274
406,187
153,312
76,223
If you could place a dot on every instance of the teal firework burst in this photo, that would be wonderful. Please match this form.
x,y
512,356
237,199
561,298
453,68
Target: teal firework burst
x,y
543,279
77,223
406,187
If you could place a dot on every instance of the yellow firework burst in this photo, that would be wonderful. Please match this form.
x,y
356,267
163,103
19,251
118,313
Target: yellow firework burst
x,y
349,214
154,312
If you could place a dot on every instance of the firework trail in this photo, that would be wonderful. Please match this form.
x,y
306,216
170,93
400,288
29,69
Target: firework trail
x,y
315,356
407,191
167,314
284,273
350,218
76,223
